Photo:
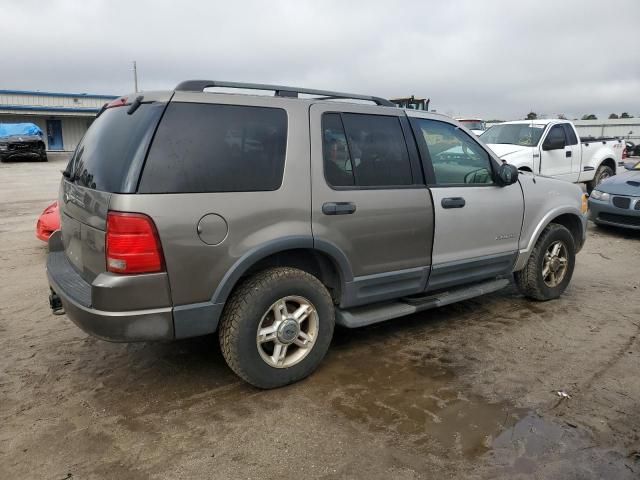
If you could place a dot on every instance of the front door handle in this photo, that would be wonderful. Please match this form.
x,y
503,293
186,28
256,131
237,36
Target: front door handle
x,y
568,154
453,202
338,208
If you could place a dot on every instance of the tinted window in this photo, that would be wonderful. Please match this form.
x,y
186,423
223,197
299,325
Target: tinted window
x,y
216,148
338,168
103,158
570,134
375,155
555,134
456,157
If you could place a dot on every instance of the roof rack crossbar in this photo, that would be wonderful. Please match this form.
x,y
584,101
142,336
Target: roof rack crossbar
x,y
280,90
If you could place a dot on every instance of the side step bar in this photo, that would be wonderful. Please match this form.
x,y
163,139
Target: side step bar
x,y
361,316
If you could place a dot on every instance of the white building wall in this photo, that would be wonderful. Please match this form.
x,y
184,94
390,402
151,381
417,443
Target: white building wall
x,y
52,100
73,130
621,127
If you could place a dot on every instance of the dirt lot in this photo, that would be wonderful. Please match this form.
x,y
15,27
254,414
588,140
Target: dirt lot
x,y
466,391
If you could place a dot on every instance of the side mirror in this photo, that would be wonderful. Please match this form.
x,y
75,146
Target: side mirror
x,y
553,144
507,175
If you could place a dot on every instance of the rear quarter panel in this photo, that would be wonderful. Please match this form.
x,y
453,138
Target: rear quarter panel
x,y
253,218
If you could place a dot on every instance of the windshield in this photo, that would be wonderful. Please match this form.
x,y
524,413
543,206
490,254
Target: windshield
x,y
472,124
523,134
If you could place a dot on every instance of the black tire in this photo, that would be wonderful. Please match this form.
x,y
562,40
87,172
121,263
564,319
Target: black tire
x,y
602,173
43,158
242,315
530,281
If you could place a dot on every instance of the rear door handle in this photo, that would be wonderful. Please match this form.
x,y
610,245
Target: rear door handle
x,y
568,154
453,202
338,208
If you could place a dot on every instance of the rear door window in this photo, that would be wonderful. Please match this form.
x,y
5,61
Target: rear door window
x,y
113,143
216,148
338,168
365,151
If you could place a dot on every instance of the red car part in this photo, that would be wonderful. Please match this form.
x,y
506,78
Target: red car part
x,y
48,222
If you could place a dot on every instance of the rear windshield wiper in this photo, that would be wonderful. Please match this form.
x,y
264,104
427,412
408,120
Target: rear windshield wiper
x,y
136,103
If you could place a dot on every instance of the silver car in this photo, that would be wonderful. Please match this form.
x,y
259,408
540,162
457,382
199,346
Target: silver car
x,y
269,219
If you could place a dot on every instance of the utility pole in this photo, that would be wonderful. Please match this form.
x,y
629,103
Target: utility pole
x,y
135,77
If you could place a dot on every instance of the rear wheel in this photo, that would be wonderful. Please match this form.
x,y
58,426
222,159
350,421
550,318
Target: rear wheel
x,y
602,174
277,327
550,266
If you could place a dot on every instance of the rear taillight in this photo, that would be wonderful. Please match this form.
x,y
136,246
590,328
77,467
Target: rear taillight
x,y
133,245
624,154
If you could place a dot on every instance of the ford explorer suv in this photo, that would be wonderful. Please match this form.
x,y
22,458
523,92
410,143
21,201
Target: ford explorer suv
x,y
553,148
270,219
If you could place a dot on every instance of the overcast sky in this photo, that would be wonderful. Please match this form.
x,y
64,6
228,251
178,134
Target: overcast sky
x,y
493,59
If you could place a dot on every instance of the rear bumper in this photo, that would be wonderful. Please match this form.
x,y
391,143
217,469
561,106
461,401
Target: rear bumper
x,y
77,297
124,308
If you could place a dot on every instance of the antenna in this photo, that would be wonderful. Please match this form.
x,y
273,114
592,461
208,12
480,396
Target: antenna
x,y
135,77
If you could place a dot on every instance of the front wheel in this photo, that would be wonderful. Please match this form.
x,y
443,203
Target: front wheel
x,y
602,174
276,327
550,266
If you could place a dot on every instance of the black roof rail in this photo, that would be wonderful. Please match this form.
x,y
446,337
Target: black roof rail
x,y
280,91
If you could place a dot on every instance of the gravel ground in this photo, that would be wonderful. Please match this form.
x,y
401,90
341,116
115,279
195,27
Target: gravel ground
x,y
466,391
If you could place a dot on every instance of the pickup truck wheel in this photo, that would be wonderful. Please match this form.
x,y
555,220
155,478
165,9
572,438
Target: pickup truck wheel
x,y
276,327
602,173
550,266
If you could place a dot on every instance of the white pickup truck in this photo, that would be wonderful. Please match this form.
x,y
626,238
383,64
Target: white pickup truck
x,y
553,148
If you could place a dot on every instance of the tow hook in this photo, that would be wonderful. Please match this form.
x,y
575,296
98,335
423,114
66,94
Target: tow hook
x,y
56,304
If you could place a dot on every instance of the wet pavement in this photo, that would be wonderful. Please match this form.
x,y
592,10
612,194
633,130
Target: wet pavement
x,y
465,391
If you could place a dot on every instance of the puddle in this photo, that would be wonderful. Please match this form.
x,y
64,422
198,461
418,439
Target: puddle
x,y
418,400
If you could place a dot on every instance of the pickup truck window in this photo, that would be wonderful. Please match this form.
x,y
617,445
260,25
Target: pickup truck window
x,y
570,134
556,134
456,158
523,134
364,151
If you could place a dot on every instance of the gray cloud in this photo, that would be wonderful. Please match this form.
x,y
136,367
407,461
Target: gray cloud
x,y
491,58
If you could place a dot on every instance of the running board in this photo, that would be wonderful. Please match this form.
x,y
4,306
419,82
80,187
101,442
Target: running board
x,y
361,316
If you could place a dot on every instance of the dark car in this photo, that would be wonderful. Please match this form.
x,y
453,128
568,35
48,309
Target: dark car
x,y
21,141
616,201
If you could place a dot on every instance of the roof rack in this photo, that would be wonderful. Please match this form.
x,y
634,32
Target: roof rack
x,y
280,91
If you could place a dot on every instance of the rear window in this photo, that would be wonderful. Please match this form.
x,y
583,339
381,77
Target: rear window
x,y
216,148
114,142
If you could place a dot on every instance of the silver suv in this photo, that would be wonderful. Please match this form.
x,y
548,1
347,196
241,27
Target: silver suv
x,y
268,219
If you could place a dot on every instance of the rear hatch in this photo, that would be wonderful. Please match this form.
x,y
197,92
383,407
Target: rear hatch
x,y
108,160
